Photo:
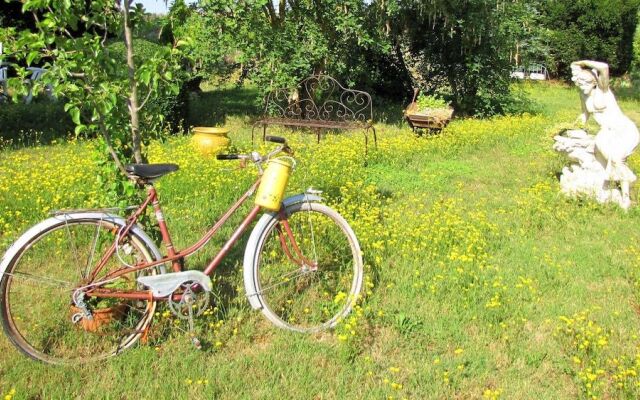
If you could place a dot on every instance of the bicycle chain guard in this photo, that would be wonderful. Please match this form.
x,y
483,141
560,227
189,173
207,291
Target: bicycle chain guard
x,y
163,285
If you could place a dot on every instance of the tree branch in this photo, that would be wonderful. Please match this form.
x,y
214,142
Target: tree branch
x,y
106,31
145,100
112,151
35,17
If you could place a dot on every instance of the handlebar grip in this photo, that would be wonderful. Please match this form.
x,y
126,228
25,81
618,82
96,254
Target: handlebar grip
x,y
227,157
275,139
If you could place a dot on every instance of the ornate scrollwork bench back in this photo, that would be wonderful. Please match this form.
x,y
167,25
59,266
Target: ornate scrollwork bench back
x,y
319,103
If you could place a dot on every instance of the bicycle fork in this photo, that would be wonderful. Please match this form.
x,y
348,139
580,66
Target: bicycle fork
x,y
286,235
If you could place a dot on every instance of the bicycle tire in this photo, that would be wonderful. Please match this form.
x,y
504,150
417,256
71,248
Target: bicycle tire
x,y
36,293
306,300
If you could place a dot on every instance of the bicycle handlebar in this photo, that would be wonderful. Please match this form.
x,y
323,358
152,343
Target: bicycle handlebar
x,y
275,139
256,157
227,156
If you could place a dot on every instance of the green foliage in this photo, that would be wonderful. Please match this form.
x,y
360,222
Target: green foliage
x,y
524,33
278,46
459,49
209,55
597,30
456,49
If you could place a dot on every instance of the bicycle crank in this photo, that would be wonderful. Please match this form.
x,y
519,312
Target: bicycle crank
x,y
193,302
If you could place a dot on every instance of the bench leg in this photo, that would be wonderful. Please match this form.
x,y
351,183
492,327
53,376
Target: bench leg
x,y
375,137
366,141
264,133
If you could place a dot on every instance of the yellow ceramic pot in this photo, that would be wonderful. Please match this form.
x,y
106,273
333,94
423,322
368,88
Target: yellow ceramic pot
x,y
209,140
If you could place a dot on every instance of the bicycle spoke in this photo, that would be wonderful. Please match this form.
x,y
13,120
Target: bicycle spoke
x,y
313,239
40,279
72,242
285,278
93,250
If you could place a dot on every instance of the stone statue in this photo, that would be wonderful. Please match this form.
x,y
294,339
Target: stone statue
x,y
601,171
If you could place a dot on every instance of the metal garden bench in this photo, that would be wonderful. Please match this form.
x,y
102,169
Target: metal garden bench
x,y
319,103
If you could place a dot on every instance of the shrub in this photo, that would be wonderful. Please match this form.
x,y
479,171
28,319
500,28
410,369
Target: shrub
x,y
635,64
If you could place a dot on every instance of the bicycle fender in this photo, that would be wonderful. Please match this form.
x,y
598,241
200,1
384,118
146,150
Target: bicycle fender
x,y
28,236
301,198
249,274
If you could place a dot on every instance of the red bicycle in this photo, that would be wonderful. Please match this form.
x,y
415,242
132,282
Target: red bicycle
x,y
84,284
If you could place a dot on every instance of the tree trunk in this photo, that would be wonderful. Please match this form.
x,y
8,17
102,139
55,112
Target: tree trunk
x,y
407,61
110,148
133,87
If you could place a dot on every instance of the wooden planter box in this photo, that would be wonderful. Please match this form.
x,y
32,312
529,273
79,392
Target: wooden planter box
x,y
427,119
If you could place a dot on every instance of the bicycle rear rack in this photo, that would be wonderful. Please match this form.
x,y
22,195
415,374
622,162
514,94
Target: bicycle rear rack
x,y
56,213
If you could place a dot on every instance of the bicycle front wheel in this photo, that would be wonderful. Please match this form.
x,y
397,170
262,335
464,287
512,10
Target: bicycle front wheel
x,y
36,293
308,267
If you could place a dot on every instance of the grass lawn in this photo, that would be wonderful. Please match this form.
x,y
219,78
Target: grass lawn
x,y
482,280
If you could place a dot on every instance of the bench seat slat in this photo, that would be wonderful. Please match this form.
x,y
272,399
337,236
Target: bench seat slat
x,y
314,123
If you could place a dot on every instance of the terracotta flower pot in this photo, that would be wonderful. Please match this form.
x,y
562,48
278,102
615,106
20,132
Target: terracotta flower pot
x,y
101,316
209,140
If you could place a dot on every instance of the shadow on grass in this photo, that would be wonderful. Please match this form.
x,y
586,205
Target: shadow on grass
x,y
388,111
41,122
212,108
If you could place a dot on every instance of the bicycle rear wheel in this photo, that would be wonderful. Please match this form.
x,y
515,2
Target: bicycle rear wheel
x,y
37,288
313,286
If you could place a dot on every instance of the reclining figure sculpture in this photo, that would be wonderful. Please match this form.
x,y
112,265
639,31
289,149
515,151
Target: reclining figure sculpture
x,y
601,171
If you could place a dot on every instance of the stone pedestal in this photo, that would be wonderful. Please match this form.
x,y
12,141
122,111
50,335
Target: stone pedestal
x,y
588,175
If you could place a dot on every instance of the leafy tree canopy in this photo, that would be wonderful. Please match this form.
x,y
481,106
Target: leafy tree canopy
x,y
280,42
587,29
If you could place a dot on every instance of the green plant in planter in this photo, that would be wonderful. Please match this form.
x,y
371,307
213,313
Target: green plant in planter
x,y
426,102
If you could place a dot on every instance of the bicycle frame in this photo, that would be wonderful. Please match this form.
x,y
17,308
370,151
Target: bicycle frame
x,y
176,257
